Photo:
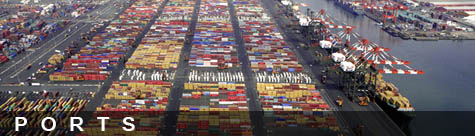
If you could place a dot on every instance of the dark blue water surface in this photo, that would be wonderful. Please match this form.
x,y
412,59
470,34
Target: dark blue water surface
x,y
447,85
449,80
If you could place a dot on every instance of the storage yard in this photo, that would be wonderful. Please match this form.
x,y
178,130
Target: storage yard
x,y
183,67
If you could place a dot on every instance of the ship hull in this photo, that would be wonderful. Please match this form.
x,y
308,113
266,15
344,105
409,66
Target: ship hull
x,y
402,119
348,8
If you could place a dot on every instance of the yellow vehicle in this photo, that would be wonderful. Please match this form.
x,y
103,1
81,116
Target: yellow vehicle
x,y
339,101
43,71
56,58
363,100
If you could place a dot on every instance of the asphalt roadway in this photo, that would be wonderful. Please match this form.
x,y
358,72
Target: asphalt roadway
x,y
250,81
181,76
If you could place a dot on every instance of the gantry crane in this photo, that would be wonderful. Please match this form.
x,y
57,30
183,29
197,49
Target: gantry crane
x,y
359,61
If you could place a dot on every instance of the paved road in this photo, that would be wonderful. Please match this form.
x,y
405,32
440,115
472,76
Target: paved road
x,y
16,67
249,78
181,76
78,88
29,92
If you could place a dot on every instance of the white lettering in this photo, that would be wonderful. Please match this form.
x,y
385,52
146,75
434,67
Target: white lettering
x,y
103,122
75,125
17,124
132,126
44,126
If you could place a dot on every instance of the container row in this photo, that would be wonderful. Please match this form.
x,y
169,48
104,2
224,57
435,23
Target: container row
x,y
283,77
214,45
217,108
212,76
147,115
295,105
156,90
265,46
160,75
145,101
162,45
108,48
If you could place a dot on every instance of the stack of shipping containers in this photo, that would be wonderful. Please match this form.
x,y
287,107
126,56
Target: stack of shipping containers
x,y
161,47
285,104
28,25
35,106
212,103
213,43
96,60
143,100
213,108
265,46
216,108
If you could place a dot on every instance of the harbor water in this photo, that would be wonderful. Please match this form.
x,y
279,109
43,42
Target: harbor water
x,y
447,84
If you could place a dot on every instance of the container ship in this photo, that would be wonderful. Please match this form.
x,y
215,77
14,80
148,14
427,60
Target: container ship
x,y
394,104
350,6
389,95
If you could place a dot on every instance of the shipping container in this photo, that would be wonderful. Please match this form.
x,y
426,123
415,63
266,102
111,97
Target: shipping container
x,y
108,48
297,105
266,48
285,100
214,45
60,108
140,90
145,101
147,114
218,108
162,45
27,26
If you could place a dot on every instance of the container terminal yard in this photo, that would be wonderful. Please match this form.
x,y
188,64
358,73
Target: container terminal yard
x,y
197,67
418,20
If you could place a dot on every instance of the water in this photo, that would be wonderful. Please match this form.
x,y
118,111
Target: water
x,y
448,82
